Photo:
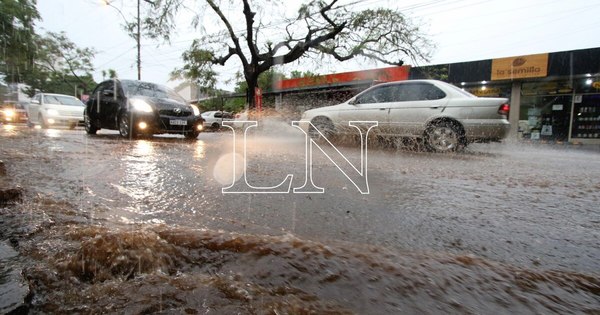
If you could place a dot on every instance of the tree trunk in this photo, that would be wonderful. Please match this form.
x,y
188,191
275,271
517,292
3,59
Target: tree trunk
x,y
252,80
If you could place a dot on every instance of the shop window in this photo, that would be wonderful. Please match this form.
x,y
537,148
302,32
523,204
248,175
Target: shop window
x,y
545,117
586,117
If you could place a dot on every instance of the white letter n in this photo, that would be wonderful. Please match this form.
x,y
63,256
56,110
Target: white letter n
x,y
363,184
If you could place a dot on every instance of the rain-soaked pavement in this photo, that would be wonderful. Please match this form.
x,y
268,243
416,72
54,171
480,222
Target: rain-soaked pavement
x,y
112,225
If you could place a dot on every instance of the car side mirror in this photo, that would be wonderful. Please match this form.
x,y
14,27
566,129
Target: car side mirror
x,y
35,102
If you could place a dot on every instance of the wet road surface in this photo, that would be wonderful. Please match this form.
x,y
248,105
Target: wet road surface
x,y
499,228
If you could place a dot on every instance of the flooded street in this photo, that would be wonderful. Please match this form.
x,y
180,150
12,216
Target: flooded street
x,y
110,225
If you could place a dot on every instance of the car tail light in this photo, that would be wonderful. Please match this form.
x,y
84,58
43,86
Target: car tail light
x,y
504,109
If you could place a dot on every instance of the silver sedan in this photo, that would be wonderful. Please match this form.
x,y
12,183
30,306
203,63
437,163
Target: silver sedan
x,y
446,117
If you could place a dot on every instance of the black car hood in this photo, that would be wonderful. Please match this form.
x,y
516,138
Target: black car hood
x,y
163,103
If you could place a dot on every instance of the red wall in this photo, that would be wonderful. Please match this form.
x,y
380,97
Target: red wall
x,y
382,74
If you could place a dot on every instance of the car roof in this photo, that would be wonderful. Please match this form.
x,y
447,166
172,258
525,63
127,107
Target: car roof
x,y
445,86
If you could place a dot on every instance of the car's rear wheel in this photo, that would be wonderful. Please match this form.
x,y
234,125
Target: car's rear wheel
x,y
444,136
90,129
323,127
125,126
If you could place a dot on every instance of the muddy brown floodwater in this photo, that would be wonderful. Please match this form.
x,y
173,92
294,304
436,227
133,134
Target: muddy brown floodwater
x,y
105,225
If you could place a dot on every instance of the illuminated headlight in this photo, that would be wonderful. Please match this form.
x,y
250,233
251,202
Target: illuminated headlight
x,y
196,110
199,127
140,106
9,113
143,125
52,112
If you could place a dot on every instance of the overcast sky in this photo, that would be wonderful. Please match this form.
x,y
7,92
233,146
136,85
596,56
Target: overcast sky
x,y
462,30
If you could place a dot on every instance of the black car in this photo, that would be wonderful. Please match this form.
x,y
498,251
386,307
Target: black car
x,y
137,108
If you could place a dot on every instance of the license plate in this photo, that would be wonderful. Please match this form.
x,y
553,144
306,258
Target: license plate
x,y
178,122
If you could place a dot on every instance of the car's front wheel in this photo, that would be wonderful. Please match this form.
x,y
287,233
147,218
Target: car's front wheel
x,y
125,126
323,128
444,137
90,129
192,135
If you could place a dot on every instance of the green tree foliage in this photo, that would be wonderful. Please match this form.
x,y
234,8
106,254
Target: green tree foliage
x,y
60,66
111,73
17,38
302,74
321,28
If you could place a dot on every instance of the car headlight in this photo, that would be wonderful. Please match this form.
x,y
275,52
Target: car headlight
x,y
52,112
196,110
141,106
9,112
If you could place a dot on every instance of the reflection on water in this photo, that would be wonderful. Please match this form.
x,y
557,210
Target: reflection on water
x,y
53,133
8,130
141,174
9,127
143,148
199,150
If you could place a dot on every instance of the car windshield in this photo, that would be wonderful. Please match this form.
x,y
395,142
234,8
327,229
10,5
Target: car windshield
x,y
138,88
62,100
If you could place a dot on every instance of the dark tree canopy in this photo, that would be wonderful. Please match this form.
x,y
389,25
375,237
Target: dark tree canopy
x,y
320,28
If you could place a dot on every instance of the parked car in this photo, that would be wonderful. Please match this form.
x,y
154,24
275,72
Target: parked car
x,y
443,115
214,119
138,107
47,109
12,113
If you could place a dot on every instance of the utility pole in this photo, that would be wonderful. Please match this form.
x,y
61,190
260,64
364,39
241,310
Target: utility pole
x,y
138,34
139,50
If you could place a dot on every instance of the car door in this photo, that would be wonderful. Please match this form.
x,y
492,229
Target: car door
x,y
33,109
414,104
103,104
371,105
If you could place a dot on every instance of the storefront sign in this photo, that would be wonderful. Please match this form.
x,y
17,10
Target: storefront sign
x,y
485,91
532,66
596,85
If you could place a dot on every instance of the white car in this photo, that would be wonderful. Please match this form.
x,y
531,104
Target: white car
x,y
48,109
214,119
446,117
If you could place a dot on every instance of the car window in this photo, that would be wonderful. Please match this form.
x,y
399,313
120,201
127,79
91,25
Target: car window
x,y
417,92
382,94
107,85
62,100
218,115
